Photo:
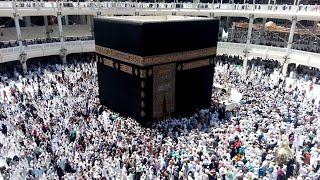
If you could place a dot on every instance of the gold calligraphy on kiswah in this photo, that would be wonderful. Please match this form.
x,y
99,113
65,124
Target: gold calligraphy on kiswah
x,y
156,59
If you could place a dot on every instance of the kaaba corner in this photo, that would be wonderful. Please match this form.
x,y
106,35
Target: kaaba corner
x,y
150,67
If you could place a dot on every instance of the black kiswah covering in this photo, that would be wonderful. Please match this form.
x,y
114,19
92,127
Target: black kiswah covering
x,y
123,92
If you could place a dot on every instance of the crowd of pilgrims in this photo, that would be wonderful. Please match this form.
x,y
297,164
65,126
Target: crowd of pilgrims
x,y
53,127
41,41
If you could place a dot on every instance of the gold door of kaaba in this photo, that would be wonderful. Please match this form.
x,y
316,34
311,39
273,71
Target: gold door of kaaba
x,y
163,89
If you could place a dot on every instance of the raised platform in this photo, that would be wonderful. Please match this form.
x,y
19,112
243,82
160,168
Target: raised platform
x,y
230,105
233,100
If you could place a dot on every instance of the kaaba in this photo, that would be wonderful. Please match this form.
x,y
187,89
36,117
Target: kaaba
x,y
150,67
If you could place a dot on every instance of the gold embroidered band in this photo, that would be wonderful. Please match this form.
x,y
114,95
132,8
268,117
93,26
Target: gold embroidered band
x,y
126,68
195,64
143,73
157,59
125,57
107,62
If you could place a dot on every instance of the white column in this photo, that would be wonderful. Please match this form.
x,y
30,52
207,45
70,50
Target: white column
x,y
89,20
263,30
314,28
220,28
27,20
228,21
232,32
46,24
64,59
24,66
62,49
90,24
19,37
245,61
274,5
66,20
249,30
288,50
60,29
83,19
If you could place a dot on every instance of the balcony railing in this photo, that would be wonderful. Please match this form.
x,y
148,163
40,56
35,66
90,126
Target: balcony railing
x,y
158,6
48,49
269,52
254,51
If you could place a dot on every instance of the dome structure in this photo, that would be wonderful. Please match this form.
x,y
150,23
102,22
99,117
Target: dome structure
x,y
270,24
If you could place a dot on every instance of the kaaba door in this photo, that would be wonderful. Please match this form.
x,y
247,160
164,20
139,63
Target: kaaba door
x,y
163,89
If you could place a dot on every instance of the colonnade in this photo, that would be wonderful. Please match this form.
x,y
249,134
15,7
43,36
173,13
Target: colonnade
x,y
62,20
286,58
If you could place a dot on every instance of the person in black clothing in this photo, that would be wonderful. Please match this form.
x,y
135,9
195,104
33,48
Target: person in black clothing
x,y
290,167
60,172
37,140
68,167
212,175
4,130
